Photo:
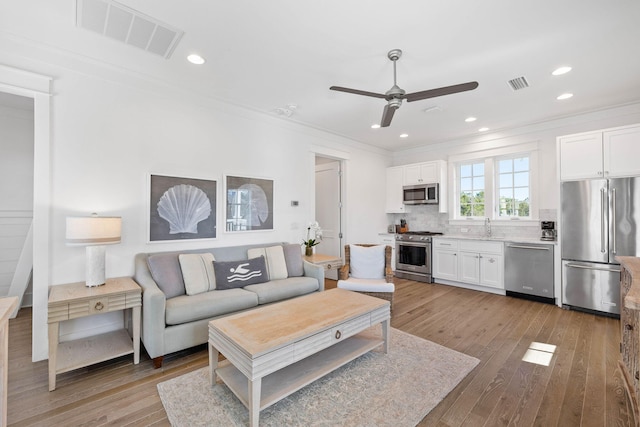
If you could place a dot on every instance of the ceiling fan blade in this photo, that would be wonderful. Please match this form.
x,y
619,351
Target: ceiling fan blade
x,y
441,91
358,92
387,115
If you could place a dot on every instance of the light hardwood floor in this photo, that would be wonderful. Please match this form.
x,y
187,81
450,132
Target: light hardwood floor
x,y
581,386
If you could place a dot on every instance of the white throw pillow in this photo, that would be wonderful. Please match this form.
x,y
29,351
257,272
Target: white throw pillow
x,y
197,272
276,264
367,262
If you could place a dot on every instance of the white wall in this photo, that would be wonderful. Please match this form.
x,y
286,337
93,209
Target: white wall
x,y
16,188
107,137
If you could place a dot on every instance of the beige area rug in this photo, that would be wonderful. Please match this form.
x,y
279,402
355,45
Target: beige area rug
x,y
377,389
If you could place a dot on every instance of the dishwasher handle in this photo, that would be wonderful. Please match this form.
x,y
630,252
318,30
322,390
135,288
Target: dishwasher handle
x,y
538,248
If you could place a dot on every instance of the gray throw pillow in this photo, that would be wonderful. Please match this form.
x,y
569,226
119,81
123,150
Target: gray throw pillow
x,y
165,270
238,274
293,259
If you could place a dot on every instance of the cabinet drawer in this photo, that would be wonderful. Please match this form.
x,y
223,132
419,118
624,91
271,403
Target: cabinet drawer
x,y
352,327
448,244
482,246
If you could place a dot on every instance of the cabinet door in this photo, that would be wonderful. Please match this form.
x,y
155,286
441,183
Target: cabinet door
x,y
491,270
394,190
390,240
445,265
469,267
621,152
421,173
412,175
581,156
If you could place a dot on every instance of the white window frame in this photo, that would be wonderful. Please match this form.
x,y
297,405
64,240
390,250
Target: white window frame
x,y
497,186
490,158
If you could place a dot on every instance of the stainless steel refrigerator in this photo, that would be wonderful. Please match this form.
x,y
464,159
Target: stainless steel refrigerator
x,y
600,220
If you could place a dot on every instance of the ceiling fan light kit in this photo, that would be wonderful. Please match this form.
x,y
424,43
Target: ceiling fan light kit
x,y
395,95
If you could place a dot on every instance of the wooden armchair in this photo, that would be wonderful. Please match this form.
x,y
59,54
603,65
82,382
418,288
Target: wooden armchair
x,y
379,284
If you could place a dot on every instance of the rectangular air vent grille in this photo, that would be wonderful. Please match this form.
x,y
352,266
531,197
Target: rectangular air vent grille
x,y
129,26
519,83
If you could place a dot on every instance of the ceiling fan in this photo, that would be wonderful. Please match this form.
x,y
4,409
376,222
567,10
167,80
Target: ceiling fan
x,y
395,95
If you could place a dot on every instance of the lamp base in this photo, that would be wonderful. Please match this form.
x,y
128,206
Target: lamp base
x,y
95,265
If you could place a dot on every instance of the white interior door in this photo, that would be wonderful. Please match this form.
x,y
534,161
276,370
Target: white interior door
x,y
328,209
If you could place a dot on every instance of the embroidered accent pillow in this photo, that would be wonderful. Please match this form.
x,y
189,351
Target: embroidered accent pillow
x,y
238,274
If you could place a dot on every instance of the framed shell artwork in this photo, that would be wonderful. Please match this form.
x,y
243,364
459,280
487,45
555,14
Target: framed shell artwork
x,y
249,204
181,208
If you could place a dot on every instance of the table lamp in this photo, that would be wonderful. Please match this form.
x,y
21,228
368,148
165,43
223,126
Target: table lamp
x,y
94,232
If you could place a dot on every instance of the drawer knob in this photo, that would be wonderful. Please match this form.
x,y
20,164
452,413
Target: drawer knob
x,y
338,335
628,327
99,306
329,267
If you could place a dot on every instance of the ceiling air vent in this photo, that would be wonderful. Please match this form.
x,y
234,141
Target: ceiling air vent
x,y
129,26
519,83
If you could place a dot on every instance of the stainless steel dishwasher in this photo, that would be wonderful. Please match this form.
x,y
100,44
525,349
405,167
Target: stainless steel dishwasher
x,y
528,271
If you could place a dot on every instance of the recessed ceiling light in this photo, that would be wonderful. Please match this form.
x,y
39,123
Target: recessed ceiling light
x,y
195,59
564,96
560,71
483,129
375,126
470,119
404,135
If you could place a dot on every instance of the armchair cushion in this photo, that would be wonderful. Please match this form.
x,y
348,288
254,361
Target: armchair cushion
x,y
367,262
238,274
366,285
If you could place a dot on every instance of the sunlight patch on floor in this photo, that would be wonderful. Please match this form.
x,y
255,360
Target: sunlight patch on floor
x,y
539,353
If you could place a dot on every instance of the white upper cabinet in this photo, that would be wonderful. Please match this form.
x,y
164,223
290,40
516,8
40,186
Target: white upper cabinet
x,y
421,173
395,178
601,154
621,149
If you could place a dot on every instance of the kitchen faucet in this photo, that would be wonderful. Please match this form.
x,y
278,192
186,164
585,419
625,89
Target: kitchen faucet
x,y
487,227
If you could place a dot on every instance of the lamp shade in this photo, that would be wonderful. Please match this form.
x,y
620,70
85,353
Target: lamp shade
x,y
93,230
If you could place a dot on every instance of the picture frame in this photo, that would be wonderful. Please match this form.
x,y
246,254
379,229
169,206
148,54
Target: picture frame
x,y
248,204
181,208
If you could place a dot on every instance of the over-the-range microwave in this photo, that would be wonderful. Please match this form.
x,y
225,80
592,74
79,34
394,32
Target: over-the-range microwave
x,y
420,194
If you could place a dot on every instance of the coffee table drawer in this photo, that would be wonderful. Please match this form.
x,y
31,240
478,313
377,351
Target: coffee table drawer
x,y
324,339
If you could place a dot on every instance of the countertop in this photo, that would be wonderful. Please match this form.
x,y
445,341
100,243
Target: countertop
x,y
632,264
499,239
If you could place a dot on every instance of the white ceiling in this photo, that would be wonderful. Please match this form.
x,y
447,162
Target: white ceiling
x,y
268,54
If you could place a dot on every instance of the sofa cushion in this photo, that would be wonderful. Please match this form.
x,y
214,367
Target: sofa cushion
x,y
276,290
293,259
165,270
188,308
274,256
367,262
197,272
237,274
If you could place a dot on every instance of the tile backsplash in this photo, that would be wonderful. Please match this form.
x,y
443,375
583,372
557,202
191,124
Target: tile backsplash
x,y
427,218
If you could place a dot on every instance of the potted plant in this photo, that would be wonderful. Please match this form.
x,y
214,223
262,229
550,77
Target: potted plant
x,y
314,237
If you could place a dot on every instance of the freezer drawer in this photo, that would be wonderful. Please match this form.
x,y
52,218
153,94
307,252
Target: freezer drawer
x,y
592,286
529,269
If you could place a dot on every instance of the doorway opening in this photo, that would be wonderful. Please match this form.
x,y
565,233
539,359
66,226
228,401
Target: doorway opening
x,y
328,207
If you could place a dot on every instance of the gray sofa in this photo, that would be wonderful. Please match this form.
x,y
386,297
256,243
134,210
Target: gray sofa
x,y
173,320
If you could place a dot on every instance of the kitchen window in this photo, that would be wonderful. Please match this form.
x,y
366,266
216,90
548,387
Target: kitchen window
x,y
472,192
513,187
500,186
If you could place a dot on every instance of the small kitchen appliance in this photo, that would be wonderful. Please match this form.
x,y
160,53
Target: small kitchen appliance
x,y
548,229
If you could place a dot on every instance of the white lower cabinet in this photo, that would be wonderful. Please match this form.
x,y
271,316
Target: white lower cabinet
x,y
474,262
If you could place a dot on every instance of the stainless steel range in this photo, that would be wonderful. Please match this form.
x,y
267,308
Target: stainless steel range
x,y
413,255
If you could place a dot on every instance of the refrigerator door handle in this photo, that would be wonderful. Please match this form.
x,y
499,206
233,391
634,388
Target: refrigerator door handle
x,y
603,196
586,267
613,220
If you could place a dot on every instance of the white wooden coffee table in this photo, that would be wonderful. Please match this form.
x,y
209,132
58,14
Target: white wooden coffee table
x,y
278,349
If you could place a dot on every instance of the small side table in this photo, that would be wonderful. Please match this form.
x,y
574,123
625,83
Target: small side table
x,y
74,300
329,262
